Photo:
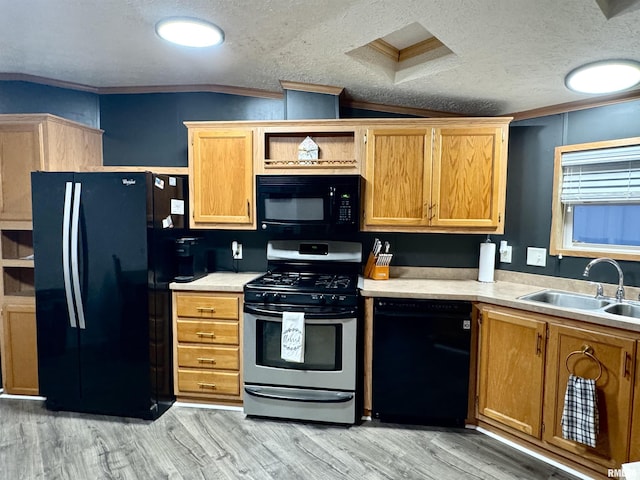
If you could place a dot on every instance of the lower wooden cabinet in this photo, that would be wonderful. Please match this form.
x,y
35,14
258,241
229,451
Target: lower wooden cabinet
x,y
511,362
615,355
207,333
634,450
524,365
19,349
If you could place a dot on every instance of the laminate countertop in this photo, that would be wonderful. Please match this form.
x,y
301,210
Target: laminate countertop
x,y
453,284
218,282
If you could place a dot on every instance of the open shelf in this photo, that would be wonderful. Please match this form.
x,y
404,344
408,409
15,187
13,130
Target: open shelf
x,y
335,149
17,245
18,281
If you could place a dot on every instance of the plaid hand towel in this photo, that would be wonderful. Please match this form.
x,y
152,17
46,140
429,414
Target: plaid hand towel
x,y
580,419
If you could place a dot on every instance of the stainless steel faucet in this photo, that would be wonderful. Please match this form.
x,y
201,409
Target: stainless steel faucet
x,y
620,290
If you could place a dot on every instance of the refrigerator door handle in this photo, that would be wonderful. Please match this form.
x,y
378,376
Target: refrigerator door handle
x,y
75,221
66,266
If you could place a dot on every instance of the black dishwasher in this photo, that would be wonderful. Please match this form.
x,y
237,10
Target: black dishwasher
x,y
421,351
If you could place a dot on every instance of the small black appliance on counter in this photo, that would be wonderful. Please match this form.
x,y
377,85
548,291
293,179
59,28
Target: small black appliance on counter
x,y
191,259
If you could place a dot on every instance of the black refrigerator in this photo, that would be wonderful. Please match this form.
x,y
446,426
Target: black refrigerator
x,y
104,257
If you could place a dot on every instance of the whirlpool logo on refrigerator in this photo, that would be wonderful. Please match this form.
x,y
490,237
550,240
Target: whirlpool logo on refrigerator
x,y
128,181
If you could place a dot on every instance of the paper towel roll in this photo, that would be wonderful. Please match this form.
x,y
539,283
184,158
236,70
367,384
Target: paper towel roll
x,y
487,262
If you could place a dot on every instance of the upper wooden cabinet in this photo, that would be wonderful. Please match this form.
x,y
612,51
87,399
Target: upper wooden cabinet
x,y
398,172
221,177
468,177
438,178
511,368
40,142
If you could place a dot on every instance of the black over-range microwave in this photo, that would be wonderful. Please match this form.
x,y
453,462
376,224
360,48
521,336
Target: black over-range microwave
x,y
308,204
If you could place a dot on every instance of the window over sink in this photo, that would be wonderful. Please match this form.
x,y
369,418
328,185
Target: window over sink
x,y
596,204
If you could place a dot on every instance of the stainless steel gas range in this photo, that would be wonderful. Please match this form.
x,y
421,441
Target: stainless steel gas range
x,y
316,284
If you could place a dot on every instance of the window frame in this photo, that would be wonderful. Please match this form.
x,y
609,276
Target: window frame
x,y
558,233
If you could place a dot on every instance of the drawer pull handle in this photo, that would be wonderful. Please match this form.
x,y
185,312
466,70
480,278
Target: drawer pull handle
x,y
207,385
206,360
206,334
206,309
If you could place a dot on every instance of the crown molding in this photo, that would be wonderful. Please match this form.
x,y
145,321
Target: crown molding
x,y
51,82
210,88
311,87
380,107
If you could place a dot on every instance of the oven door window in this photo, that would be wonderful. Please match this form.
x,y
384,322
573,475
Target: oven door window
x,y
293,209
322,347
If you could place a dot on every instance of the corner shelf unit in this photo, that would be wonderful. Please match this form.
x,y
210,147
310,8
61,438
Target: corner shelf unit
x,y
16,242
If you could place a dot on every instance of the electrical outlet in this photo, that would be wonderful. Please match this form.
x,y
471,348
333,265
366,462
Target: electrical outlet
x,y
505,256
537,256
236,250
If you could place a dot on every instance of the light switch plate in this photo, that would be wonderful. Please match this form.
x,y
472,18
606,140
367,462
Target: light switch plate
x,y
537,256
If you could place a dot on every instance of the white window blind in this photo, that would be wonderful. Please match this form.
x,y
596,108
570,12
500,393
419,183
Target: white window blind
x,y
605,175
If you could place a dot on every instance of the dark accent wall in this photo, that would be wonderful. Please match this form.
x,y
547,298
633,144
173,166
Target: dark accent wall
x,y
27,97
310,105
148,129
530,182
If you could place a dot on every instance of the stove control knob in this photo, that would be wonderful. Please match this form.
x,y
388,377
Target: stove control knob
x,y
334,298
264,296
321,299
275,297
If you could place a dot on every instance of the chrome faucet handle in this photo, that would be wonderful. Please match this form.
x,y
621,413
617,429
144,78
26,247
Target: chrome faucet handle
x,y
599,289
620,294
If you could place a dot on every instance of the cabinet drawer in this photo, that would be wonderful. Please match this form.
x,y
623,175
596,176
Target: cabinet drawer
x,y
206,306
227,358
208,332
227,383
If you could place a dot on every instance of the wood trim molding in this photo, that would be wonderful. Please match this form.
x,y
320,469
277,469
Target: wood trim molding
x,y
52,82
311,87
386,49
212,88
380,107
419,48
574,106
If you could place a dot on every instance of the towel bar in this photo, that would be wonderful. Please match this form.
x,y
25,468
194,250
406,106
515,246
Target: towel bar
x,y
586,350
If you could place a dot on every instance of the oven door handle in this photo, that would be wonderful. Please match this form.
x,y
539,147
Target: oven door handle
x,y
317,396
263,312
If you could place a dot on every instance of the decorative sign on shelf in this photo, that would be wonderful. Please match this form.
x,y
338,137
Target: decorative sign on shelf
x,y
307,150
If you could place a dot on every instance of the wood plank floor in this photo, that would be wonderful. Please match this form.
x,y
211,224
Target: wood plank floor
x,y
196,443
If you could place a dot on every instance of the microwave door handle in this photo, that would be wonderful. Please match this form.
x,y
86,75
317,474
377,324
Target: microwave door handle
x,y
332,198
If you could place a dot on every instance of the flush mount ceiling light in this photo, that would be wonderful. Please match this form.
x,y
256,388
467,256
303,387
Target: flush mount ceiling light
x,y
190,32
607,76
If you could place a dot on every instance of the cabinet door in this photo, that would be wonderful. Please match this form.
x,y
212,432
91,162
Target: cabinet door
x,y
398,173
634,440
222,177
20,154
512,350
616,354
467,177
20,350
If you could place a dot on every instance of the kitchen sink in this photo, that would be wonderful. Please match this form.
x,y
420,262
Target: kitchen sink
x,y
568,300
625,309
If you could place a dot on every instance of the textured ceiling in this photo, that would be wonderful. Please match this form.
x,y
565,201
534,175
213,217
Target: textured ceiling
x,y
505,55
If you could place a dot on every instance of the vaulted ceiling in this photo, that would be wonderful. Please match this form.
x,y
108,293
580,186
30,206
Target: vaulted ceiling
x,y
475,57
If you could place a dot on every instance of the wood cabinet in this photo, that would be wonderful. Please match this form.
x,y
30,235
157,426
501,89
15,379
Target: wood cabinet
x,y
207,359
438,178
616,355
19,348
469,172
522,383
634,439
221,180
30,142
40,142
398,173
511,368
